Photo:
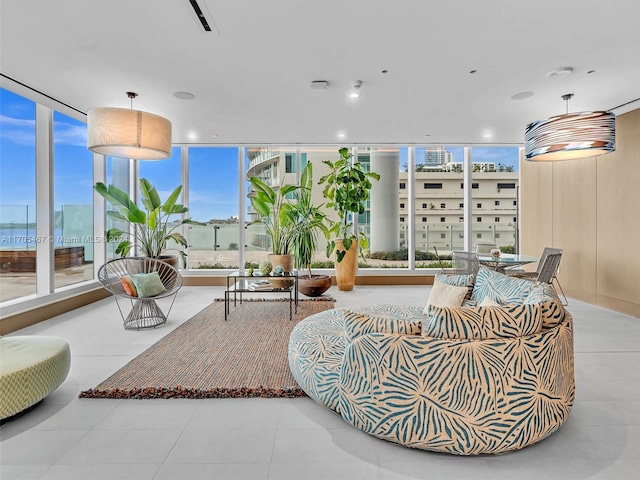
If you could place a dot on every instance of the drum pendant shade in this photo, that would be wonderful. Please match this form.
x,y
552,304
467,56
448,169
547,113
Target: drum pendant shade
x,y
124,133
569,136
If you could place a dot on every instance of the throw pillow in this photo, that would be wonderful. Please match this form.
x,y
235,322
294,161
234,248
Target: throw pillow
x,y
445,295
500,287
482,322
489,302
460,280
552,309
129,287
148,284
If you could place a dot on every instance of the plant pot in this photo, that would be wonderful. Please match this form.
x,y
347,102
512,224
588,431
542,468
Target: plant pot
x,y
172,260
346,269
314,286
286,261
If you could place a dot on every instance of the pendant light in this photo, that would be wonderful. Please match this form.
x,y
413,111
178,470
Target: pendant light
x,y
119,132
570,136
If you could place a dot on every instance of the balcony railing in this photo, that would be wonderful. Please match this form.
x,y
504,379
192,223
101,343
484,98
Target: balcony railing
x,y
264,155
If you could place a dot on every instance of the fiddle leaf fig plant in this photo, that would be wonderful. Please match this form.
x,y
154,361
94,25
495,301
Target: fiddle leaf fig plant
x,y
347,187
151,230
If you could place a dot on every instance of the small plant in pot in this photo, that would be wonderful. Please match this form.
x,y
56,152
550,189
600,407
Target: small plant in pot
x,y
272,207
308,223
347,187
150,230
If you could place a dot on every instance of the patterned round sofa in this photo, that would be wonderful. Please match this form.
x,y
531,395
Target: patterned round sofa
x,y
460,380
31,367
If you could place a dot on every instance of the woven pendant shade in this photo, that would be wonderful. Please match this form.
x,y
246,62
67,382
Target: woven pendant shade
x,y
570,136
119,132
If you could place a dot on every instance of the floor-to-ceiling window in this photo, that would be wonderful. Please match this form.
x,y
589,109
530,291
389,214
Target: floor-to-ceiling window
x,y
17,196
213,200
494,195
418,203
73,201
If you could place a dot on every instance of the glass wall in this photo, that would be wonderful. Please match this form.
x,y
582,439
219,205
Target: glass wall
x,y
118,173
17,196
422,209
213,200
73,202
278,166
494,194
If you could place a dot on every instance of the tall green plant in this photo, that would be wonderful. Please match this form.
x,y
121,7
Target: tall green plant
x,y
150,227
272,207
347,187
307,220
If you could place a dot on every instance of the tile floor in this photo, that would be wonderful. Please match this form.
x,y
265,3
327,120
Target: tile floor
x,y
70,438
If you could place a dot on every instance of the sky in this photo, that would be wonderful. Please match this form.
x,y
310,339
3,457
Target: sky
x,y
213,171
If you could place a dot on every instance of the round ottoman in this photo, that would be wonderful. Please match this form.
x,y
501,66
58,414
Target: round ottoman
x,y
31,367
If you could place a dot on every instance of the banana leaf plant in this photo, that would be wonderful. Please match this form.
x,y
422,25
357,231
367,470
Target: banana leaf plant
x,y
151,230
273,210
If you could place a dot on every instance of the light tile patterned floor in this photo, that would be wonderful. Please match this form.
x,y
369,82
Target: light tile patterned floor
x,y
274,439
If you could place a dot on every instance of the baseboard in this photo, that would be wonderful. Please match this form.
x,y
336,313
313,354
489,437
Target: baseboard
x,y
35,315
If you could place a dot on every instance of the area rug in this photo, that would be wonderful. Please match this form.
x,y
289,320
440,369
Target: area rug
x,y
208,357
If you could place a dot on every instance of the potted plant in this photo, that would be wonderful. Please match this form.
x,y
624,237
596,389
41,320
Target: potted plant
x,y
308,223
150,227
271,206
347,187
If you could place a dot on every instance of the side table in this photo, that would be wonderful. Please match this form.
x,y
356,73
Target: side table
x,y
238,283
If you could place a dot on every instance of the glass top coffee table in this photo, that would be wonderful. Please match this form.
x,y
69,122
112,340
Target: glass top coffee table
x,y
239,283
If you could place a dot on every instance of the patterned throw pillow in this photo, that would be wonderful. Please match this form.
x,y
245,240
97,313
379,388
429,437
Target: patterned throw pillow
x,y
148,284
482,322
500,287
395,319
552,309
445,295
129,287
460,280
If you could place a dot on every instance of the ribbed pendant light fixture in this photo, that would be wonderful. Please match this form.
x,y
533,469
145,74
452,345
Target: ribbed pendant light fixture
x,y
119,132
570,136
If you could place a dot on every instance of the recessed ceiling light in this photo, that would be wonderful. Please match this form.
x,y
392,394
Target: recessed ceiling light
x,y
319,85
191,135
521,95
214,135
184,95
341,135
487,135
354,95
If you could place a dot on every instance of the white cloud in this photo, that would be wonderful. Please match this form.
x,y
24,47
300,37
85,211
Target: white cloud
x,y
70,135
16,122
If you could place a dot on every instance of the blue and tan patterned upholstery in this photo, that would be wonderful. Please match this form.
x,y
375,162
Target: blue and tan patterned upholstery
x,y
317,344
31,367
499,287
479,323
481,380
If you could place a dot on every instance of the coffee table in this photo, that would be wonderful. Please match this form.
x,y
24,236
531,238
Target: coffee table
x,y
238,283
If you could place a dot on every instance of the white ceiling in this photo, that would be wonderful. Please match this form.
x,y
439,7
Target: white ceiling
x,y
251,75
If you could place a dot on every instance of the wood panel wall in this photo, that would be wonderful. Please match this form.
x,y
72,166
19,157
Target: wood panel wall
x,y
591,209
